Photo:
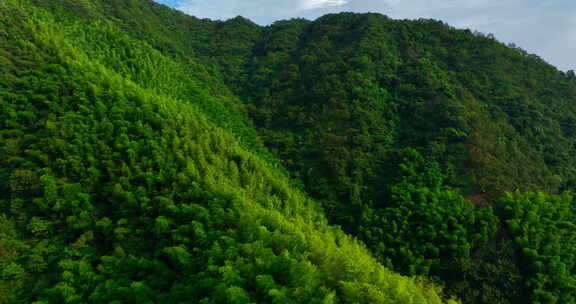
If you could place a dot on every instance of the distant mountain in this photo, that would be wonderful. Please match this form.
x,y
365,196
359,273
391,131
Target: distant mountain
x,y
147,156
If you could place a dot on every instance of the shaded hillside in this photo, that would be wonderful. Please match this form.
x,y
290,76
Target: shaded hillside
x,y
495,117
389,123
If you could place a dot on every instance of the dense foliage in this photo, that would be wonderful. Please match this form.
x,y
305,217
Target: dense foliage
x,y
424,225
544,226
118,186
340,99
147,156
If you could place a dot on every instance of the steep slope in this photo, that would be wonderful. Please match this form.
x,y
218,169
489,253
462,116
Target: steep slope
x,y
372,83
391,123
130,169
180,67
121,182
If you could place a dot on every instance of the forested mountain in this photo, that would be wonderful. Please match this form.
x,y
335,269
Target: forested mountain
x,y
147,156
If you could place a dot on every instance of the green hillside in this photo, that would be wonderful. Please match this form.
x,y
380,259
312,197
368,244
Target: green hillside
x,y
394,125
147,156
119,187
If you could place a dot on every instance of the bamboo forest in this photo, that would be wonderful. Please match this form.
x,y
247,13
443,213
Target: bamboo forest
x,y
149,156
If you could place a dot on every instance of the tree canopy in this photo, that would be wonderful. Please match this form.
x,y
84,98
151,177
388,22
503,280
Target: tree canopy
x,y
147,156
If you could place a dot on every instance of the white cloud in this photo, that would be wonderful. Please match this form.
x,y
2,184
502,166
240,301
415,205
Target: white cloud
x,y
317,4
222,9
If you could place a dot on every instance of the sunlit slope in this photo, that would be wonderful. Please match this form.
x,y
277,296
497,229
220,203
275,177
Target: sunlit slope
x,y
118,186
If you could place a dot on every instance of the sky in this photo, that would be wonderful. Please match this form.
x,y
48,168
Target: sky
x,y
546,28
